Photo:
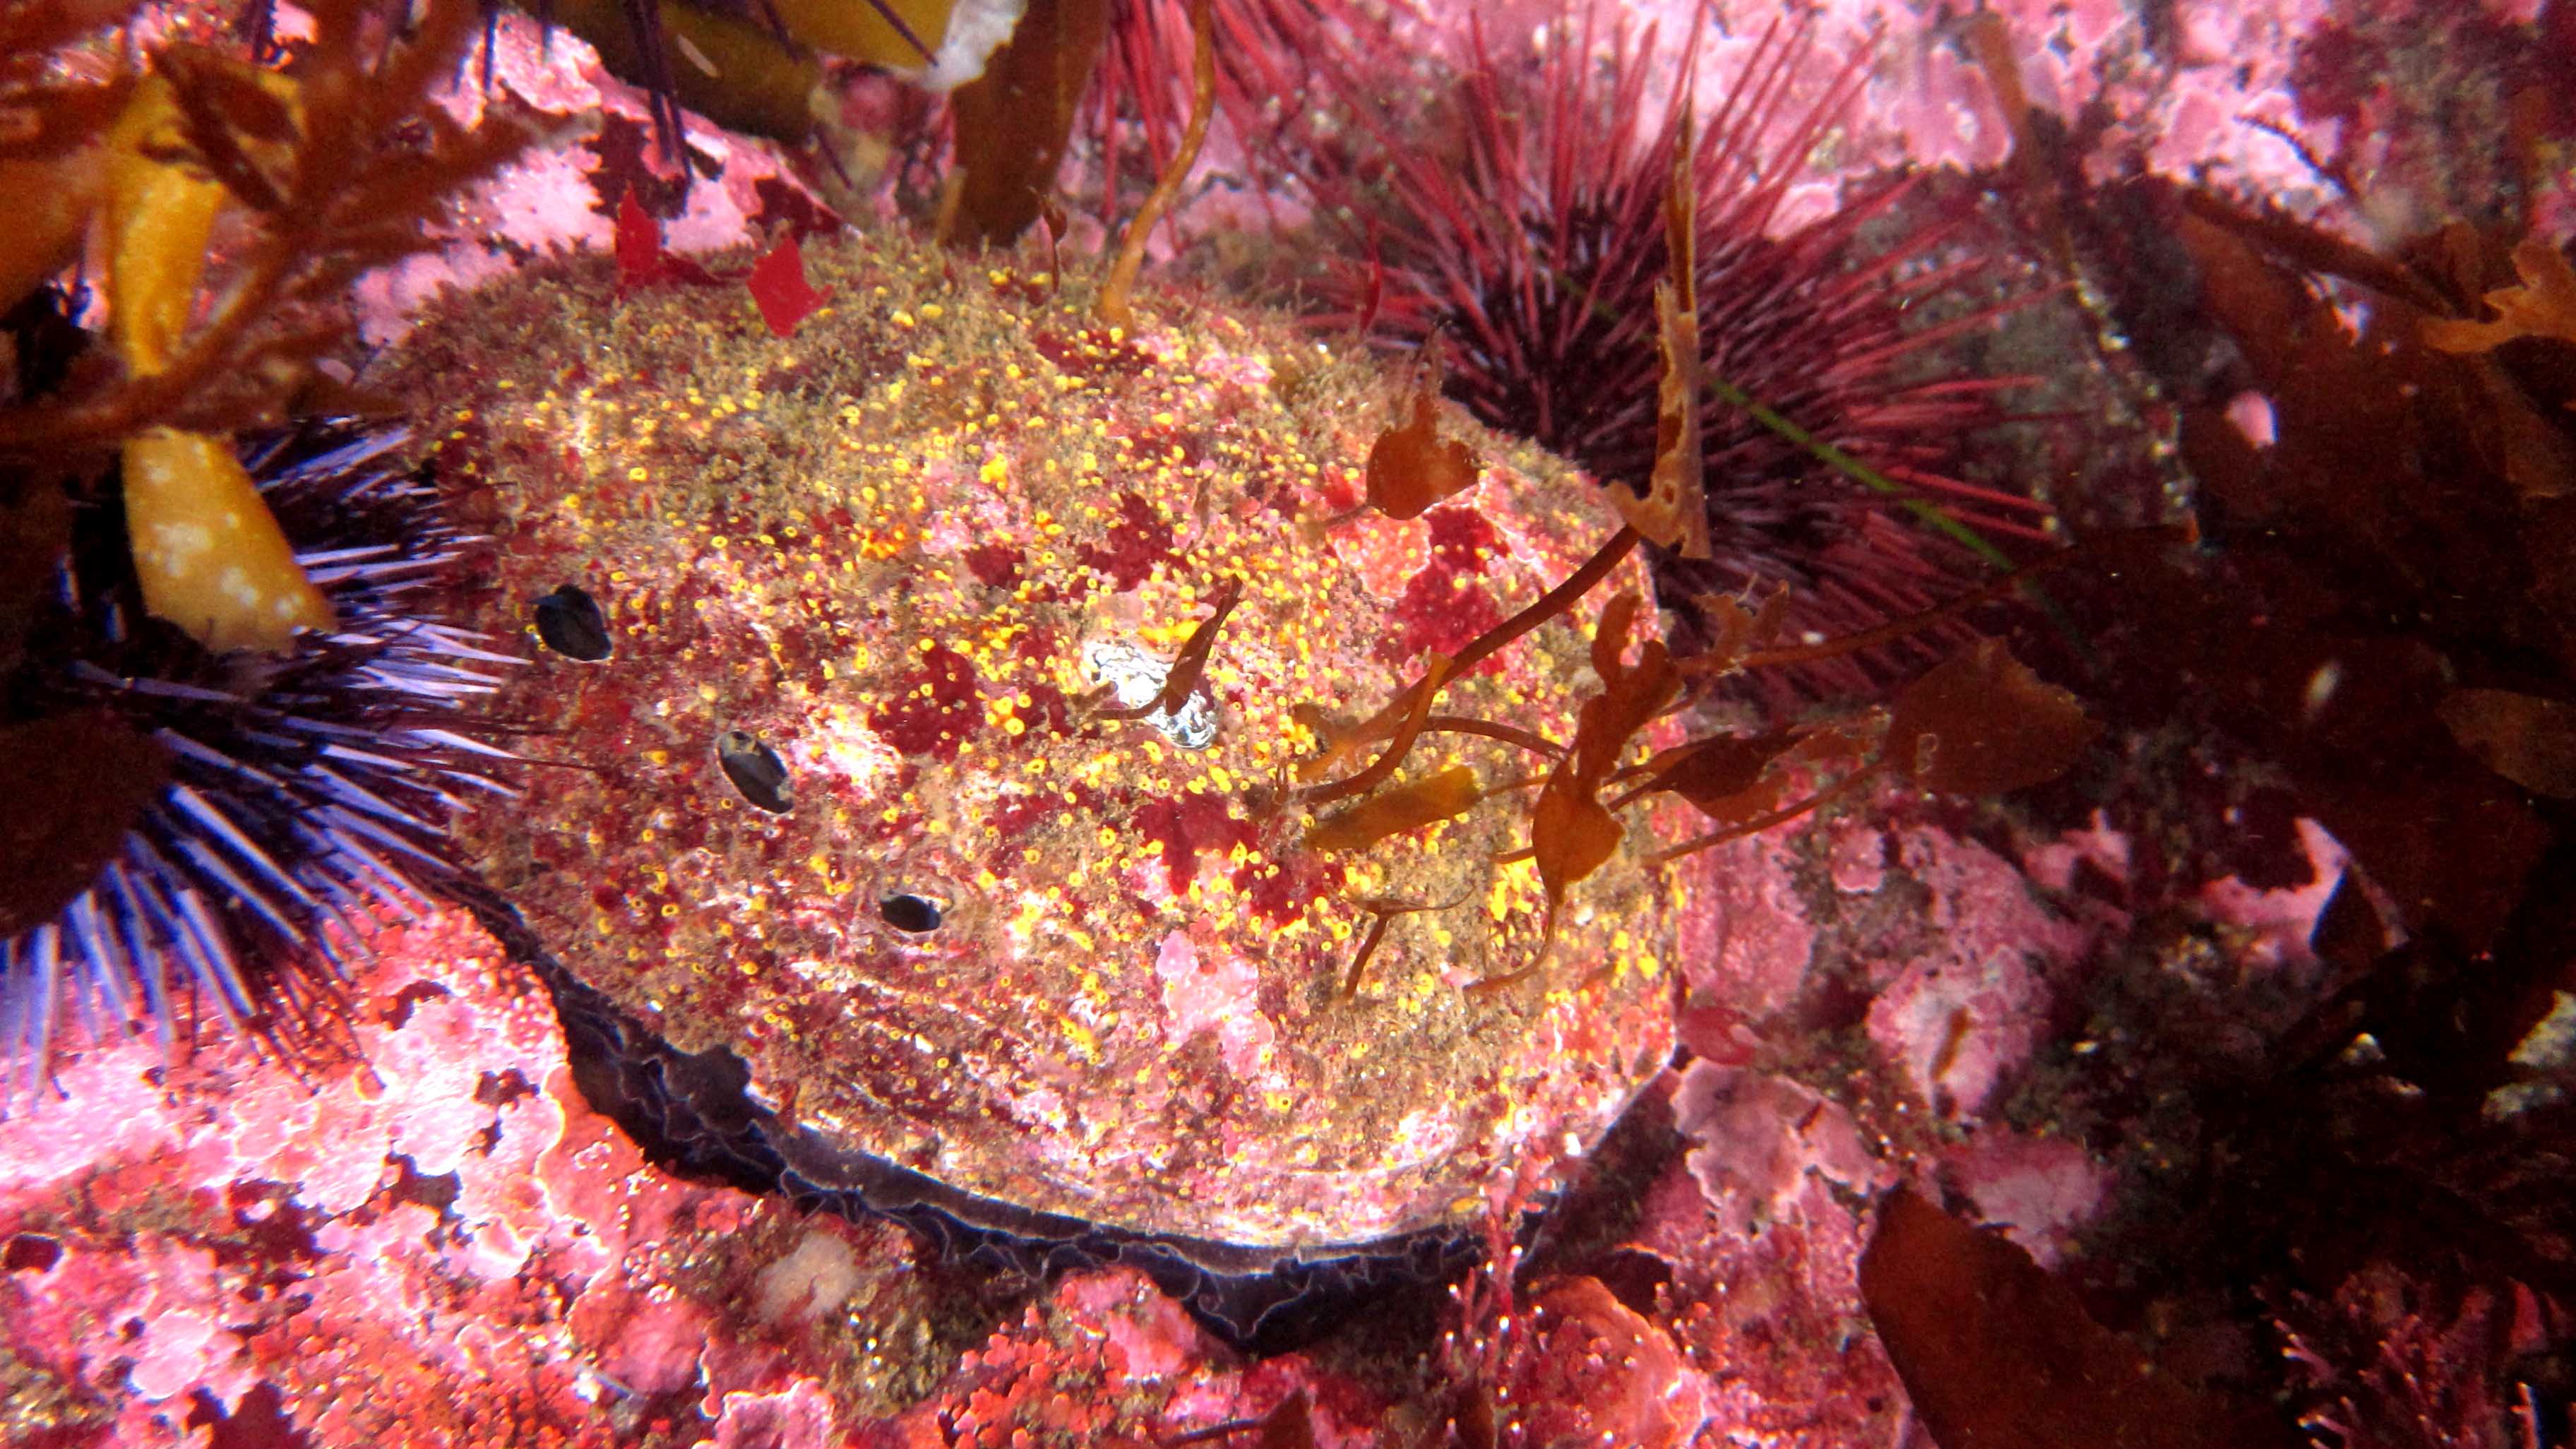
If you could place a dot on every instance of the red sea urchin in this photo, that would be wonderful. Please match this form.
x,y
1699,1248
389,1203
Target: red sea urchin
x,y
1527,250
273,802
1268,57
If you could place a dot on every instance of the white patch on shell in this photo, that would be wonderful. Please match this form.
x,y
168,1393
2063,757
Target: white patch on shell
x,y
817,1277
844,747
1247,371
1222,996
1135,677
1425,1135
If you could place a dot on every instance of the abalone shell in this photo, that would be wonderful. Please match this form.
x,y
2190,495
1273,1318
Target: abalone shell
x,y
973,925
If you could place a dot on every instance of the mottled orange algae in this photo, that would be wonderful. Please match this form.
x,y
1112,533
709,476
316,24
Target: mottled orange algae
x,y
211,557
890,547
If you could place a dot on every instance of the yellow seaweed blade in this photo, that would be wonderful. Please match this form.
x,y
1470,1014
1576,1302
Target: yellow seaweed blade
x,y
732,71
210,555
854,29
159,217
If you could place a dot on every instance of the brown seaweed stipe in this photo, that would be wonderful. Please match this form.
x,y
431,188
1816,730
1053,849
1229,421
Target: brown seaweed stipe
x,y
1114,306
1405,717
1190,666
1382,911
1979,723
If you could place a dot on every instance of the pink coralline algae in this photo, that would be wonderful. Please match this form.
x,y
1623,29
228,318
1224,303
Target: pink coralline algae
x,y
1959,960
2039,1190
1757,1137
462,1253
1964,1011
417,1247
1767,1321
1598,1371
1108,1360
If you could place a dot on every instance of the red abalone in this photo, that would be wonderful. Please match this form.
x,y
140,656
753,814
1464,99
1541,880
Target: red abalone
x,y
962,918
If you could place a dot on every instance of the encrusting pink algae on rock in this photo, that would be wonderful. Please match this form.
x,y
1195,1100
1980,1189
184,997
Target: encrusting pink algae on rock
x,y
867,789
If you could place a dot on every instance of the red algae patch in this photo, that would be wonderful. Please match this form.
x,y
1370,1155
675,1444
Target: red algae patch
x,y
876,787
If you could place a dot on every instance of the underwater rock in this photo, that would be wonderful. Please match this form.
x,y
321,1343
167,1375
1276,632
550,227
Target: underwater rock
x,y
1052,955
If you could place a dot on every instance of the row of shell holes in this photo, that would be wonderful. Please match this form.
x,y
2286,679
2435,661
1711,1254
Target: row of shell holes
x,y
570,622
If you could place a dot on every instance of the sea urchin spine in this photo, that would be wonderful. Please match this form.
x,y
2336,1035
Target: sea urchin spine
x,y
296,795
1529,252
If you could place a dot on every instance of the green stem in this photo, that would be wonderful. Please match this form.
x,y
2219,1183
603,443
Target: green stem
x,y
1863,474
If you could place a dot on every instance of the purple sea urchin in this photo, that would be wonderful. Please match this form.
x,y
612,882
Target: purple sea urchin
x,y
1528,248
289,797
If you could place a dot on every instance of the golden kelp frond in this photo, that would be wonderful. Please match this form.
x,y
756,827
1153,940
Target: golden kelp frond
x,y
159,219
1411,467
1980,723
1012,124
757,68
1736,631
1572,833
1674,511
1729,777
1409,806
210,556
750,79
1741,781
2543,306
896,34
